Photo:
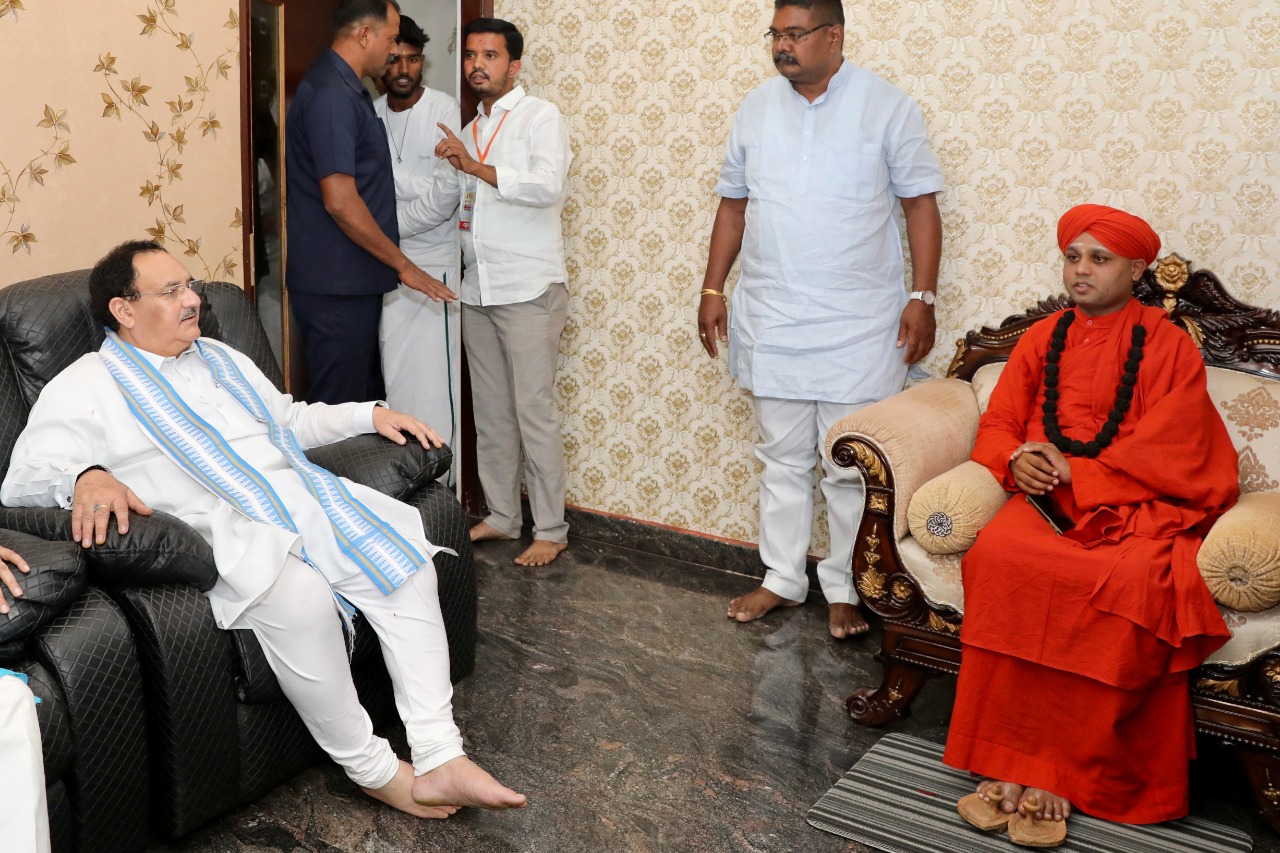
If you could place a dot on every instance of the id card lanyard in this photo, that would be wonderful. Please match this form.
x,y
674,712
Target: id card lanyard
x,y
469,196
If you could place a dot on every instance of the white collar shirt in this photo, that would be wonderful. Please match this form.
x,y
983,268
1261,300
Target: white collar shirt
x,y
815,312
514,249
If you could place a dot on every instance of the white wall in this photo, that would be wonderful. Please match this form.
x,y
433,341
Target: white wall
x,y
440,19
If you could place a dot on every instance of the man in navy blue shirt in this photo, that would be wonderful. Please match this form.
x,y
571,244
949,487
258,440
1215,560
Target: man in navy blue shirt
x,y
343,246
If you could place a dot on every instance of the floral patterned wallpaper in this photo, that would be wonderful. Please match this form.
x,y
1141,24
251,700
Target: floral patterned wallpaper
x,y
1170,108
121,121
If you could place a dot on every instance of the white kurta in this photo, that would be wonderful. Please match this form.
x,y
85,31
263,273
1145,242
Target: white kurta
x,y
81,419
815,313
421,340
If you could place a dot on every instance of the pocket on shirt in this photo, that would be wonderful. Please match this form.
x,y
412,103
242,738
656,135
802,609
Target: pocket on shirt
x,y
855,171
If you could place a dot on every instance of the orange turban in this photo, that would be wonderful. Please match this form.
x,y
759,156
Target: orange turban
x,y
1122,233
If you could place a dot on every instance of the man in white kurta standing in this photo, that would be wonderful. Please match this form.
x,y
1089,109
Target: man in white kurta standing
x,y
421,339
163,418
818,162
513,161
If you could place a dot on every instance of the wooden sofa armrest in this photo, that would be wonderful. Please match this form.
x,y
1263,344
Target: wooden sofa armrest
x,y
903,442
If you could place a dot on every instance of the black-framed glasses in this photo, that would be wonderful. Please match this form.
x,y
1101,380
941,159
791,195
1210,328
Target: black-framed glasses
x,y
773,37
174,293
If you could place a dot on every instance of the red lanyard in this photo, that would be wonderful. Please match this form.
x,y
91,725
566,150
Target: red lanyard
x,y
475,137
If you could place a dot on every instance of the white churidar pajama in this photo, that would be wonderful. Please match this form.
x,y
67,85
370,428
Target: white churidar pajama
x,y
421,340
81,419
814,316
792,433
25,828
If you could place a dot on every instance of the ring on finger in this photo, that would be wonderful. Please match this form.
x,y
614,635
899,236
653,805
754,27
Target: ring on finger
x,y
99,507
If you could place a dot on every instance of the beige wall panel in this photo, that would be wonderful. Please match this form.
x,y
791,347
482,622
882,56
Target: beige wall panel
x,y
1170,108
170,165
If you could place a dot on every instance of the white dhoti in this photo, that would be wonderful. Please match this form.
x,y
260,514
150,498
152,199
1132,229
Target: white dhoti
x,y
421,342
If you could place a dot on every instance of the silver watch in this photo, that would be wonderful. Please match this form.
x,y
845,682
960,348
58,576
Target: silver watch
x,y
925,296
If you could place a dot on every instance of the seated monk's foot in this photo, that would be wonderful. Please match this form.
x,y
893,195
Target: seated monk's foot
x,y
482,532
1043,805
1041,819
461,782
846,621
541,553
1005,794
758,602
992,807
398,793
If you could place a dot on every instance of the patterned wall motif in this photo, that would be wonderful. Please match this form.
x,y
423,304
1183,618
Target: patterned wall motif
x,y
1170,108
147,95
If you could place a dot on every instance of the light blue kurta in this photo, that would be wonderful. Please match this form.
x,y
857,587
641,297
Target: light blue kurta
x,y
815,313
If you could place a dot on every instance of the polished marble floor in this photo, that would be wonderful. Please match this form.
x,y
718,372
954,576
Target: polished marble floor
x,y
613,691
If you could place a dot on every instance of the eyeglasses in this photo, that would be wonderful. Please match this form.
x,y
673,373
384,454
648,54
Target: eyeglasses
x,y
773,37
174,293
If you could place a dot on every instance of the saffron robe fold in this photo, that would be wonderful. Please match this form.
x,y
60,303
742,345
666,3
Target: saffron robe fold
x,y
1077,647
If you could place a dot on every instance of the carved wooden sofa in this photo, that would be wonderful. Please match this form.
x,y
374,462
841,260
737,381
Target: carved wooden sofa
x,y
903,442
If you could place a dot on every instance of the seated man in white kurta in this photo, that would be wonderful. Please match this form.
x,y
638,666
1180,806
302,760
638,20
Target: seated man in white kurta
x,y
163,418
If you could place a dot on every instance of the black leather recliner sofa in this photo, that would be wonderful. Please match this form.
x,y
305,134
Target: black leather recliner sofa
x,y
218,732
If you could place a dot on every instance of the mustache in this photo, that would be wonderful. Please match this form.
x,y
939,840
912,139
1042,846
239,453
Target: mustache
x,y
784,58
188,313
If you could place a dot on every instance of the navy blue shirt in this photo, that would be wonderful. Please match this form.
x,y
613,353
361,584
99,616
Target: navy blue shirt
x,y
332,129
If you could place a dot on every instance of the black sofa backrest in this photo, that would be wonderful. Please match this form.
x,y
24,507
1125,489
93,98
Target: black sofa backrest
x,y
46,324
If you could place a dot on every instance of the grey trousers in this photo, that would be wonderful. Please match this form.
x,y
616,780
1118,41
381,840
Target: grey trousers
x,y
512,354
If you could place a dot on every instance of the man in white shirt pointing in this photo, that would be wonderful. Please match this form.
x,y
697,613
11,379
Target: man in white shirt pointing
x,y
513,161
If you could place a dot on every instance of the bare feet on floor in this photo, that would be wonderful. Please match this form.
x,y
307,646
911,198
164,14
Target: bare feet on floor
x,y
846,621
758,602
1010,794
1051,806
482,532
398,793
461,782
540,553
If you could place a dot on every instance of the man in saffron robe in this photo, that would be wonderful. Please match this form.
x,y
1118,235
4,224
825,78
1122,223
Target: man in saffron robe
x,y
1077,646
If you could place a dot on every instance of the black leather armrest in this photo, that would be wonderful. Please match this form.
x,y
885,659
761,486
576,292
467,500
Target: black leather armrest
x,y
158,548
377,462
58,577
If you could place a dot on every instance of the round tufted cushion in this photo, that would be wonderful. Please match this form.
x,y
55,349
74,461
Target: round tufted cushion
x,y
946,513
1240,558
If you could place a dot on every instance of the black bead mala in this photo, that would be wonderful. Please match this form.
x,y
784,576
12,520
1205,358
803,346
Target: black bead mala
x,y
1124,394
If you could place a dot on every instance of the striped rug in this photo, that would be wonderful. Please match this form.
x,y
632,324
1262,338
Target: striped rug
x,y
901,798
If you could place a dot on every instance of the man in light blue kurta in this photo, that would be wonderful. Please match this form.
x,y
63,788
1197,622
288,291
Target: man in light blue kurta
x,y
818,164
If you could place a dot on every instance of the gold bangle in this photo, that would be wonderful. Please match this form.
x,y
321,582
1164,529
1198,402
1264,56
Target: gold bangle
x,y
707,291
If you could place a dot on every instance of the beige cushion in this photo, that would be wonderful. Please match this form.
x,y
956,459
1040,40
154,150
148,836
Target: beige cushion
x,y
984,382
1240,558
947,512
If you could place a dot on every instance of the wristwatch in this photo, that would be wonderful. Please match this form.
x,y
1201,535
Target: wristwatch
x,y
925,296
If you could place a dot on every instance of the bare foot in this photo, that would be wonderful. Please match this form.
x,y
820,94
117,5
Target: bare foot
x,y
483,532
846,621
1051,806
540,553
758,602
1010,794
462,782
398,793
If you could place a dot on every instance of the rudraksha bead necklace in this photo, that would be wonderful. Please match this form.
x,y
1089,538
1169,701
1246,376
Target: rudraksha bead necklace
x,y
1124,394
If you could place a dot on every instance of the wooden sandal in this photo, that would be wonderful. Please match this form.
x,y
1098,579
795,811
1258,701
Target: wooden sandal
x,y
1029,831
986,816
